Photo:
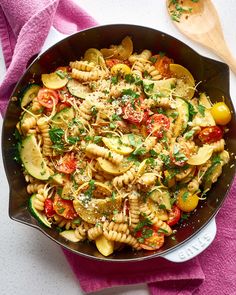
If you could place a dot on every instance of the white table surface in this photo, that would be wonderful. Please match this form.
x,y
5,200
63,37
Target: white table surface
x,y
30,263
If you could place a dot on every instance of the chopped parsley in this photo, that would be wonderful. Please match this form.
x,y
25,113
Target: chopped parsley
x,y
142,223
185,196
201,110
191,111
61,74
56,135
189,134
114,80
178,156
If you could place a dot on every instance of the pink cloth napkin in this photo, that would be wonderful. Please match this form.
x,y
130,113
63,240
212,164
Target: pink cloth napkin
x,y
24,26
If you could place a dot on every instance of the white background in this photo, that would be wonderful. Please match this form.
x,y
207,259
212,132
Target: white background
x,y
30,263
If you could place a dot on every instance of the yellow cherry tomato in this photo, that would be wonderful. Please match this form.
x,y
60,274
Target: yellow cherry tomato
x,y
186,201
221,113
120,69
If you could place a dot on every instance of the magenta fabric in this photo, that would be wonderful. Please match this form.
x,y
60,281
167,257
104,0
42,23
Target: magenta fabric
x,y
212,272
24,26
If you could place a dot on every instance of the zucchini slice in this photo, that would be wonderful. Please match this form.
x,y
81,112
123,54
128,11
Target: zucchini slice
x,y
69,235
29,94
32,158
40,216
62,118
181,122
77,89
211,175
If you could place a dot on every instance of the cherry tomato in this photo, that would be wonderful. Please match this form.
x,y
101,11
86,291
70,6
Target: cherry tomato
x,y
186,201
210,134
48,208
221,113
64,95
174,216
162,64
64,207
47,97
149,238
135,113
179,154
158,124
114,61
66,164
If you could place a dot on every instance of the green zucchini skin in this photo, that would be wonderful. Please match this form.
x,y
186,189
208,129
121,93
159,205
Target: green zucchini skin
x,y
29,94
211,175
40,216
61,119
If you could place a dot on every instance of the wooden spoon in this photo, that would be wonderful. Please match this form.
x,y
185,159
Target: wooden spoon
x,y
200,22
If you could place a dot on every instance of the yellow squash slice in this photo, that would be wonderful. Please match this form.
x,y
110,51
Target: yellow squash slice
x,y
104,246
117,144
185,87
204,153
113,169
122,51
54,81
94,210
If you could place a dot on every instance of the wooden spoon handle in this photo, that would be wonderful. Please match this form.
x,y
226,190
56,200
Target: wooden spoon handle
x,y
224,53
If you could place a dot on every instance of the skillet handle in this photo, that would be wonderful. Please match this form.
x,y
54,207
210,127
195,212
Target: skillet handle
x,y
194,246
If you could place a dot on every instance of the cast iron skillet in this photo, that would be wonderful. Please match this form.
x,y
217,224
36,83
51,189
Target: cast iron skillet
x,y
215,81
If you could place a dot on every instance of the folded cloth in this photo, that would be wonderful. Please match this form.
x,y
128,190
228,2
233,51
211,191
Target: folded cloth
x,y
212,272
24,26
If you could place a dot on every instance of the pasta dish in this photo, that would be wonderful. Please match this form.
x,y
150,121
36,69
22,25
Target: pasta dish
x,y
118,147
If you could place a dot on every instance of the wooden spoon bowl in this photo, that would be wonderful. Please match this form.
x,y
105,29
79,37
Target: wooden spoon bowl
x,y
200,22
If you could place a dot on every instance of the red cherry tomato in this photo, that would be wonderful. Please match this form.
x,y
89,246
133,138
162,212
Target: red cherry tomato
x,y
47,97
149,238
135,113
158,124
174,216
48,208
66,164
210,134
64,208
64,95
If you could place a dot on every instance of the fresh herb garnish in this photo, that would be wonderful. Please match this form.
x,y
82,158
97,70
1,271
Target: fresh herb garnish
x,y
114,80
201,110
189,134
56,135
185,196
61,74
191,111
142,223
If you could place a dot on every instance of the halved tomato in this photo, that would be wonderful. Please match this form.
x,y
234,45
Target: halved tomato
x,y
48,208
158,124
66,164
210,134
174,216
47,97
162,64
149,238
64,208
135,113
